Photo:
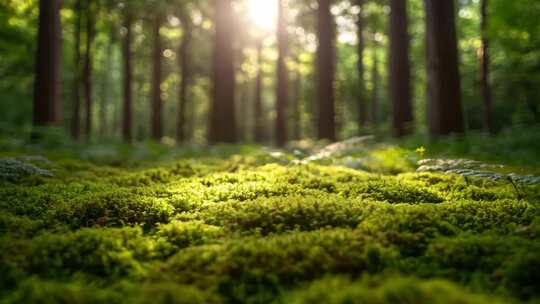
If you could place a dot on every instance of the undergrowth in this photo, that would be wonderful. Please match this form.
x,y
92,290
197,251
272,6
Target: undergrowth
x,y
348,224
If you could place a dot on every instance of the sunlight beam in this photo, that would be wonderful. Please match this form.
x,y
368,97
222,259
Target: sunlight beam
x,y
263,13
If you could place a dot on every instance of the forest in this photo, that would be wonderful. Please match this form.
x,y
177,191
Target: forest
x,y
269,151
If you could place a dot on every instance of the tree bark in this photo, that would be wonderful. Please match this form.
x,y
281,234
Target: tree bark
x,y
157,102
296,105
325,72
486,89
76,114
127,113
185,71
400,71
375,91
282,91
362,103
88,68
259,115
222,114
444,106
103,117
48,82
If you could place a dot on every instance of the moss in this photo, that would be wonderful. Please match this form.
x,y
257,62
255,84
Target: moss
x,y
179,235
80,292
116,209
389,290
280,214
256,267
258,228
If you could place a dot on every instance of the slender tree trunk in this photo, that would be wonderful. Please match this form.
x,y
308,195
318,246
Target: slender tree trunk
x,y
103,119
362,103
48,80
76,115
259,114
400,71
444,106
222,113
325,72
375,92
244,111
486,89
157,102
88,68
282,77
127,113
185,71
192,121
296,119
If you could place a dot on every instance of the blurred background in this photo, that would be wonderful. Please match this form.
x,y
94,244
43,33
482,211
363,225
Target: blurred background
x,y
186,72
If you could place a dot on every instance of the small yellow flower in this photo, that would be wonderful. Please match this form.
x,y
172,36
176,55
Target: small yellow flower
x,y
421,151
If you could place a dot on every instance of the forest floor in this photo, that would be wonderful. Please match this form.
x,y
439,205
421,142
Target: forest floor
x,y
350,223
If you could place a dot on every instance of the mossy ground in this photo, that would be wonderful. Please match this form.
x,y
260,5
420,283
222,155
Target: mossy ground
x,y
242,225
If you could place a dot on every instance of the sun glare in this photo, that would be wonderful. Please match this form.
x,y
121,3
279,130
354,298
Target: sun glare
x,y
263,13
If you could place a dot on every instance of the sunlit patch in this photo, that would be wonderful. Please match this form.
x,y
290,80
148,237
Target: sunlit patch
x,y
263,13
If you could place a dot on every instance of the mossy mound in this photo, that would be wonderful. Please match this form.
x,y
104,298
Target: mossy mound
x,y
250,228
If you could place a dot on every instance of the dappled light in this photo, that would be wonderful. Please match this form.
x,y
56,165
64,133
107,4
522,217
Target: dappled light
x,y
269,151
263,14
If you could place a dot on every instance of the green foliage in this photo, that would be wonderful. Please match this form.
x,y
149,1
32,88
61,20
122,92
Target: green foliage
x,y
179,235
256,227
15,168
386,290
118,209
471,168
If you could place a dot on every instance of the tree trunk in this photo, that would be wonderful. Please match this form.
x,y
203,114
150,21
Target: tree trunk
x,y
103,119
486,89
362,103
222,113
76,114
48,80
259,115
185,70
243,113
88,62
296,105
325,72
400,71
127,113
444,106
282,77
375,92
157,103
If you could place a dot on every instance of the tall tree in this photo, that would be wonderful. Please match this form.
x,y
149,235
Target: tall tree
x,y
185,71
444,106
484,59
362,103
76,115
258,107
104,86
47,86
282,91
400,74
222,113
375,90
296,107
156,101
326,71
127,56
88,66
